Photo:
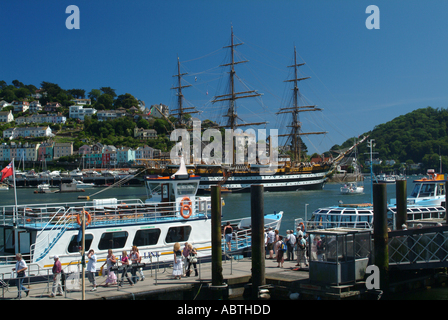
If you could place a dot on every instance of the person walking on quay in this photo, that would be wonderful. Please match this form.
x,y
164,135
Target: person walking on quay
x,y
280,248
178,265
110,262
291,242
301,257
139,260
134,256
57,271
228,230
192,260
91,268
20,269
270,244
125,263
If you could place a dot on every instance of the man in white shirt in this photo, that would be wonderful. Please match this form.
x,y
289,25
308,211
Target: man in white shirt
x,y
91,268
20,269
270,244
291,241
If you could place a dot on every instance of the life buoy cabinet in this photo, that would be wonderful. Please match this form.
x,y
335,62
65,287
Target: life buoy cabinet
x,y
185,208
89,218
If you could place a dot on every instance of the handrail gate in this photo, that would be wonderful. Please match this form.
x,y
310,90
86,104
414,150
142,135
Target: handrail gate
x,y
419,248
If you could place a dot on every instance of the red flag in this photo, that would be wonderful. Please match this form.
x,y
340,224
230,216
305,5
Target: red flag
x,y
7,171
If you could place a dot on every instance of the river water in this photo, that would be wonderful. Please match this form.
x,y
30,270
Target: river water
x,y
295,204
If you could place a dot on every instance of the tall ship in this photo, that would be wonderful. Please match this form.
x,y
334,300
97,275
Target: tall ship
x,y
292,174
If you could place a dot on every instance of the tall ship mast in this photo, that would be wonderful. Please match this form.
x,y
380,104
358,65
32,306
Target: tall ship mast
x,y
294,136
181,110
232,96
291,175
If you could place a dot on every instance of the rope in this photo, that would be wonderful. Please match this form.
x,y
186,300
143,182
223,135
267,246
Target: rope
x,y
118,183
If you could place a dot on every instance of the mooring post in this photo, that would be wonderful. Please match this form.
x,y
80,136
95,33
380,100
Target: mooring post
x,y
258,250
446,202
401,194
380,233
217,279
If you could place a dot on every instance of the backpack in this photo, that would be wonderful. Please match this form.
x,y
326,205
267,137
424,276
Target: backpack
x,y
283,246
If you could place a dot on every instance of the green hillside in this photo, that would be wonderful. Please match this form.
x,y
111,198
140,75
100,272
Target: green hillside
x,y
415,137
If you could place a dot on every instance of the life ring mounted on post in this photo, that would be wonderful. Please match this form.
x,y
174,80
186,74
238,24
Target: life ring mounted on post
x,y
185,207
89,218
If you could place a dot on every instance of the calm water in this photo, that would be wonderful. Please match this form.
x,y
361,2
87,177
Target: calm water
x,y
293,204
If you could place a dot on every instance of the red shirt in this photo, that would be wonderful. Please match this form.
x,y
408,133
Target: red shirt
x,y
57,267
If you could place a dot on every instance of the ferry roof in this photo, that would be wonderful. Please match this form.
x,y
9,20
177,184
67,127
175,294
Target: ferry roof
x,y
339,231
168,178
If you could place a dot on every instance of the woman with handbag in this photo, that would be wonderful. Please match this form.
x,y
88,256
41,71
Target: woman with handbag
x,y
110,262
192,260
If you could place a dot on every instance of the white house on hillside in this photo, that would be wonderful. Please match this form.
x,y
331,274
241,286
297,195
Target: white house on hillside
x,y
79,112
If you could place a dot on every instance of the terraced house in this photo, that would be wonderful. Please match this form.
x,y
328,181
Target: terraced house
x,y
27,132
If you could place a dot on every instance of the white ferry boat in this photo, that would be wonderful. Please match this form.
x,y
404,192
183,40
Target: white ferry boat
x,y
361,216
427,191
173,213
82,185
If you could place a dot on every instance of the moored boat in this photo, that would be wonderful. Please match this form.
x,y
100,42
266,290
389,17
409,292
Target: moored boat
x,y
172,213
427,191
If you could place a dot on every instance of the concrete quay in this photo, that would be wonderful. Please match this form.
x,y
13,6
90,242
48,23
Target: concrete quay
x,y
160,285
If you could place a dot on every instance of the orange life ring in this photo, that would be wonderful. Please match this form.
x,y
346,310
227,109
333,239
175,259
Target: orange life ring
x,y
89,218
185,207
303,225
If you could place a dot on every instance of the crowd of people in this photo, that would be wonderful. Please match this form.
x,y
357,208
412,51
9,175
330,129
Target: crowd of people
x,y
279,246
183,261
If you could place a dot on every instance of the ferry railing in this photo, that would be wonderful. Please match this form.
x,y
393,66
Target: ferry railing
x,y
315,225
241,236
8,282
45,243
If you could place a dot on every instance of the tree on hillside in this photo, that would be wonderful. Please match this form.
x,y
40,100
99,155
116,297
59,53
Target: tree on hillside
x,y
106,100
126,101
77,93
109,91
94,94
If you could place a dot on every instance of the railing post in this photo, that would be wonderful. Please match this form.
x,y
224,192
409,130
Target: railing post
x,y
258,251
217,278
380,233
401,203
446,202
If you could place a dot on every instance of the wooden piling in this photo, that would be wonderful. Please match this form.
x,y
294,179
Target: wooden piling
x,y
401,193
446,202
380,233
217,279
258,250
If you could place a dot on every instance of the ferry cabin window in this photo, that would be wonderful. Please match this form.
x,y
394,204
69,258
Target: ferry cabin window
x,y
113,240
74,245
178,234
153,189
184,189
441,189
414,192
427,190
146,237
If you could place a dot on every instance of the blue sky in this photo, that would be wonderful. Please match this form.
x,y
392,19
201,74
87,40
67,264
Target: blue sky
x,y
360,77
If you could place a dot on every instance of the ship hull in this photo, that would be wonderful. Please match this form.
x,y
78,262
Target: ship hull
x,y
274,183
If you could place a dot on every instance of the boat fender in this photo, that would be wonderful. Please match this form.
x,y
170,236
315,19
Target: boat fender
x,y
185,207
89,218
